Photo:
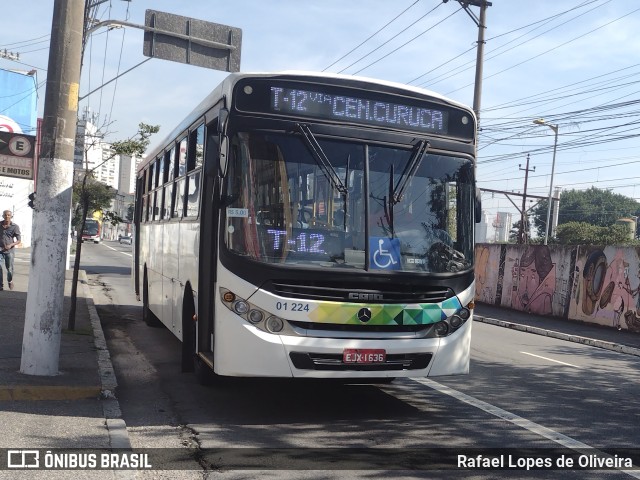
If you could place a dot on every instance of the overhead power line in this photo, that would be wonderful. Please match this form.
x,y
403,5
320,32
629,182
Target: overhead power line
x,y
371,36
551,49
393,38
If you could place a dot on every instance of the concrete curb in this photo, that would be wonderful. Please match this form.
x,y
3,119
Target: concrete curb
x,y
616,347
118,435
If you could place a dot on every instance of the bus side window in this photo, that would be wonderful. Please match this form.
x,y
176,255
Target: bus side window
x,y
145,204
178,209
159,176
195,155
171,164
168,197
193,194
152,177
153,213
182,157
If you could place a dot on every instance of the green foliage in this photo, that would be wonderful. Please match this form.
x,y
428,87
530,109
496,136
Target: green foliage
x,y
130,211
112,217
593,206
514,233
582,233
137,145
90,196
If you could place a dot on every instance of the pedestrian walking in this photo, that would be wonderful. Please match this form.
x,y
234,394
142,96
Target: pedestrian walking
x,y
9,238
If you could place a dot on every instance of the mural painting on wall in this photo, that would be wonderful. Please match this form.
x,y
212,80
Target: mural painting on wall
x,y
486,273
533,281
606,288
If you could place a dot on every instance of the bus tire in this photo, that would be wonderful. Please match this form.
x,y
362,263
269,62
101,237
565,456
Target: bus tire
x,y
147,315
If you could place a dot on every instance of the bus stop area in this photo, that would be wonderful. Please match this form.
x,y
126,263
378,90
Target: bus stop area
x,y
78,408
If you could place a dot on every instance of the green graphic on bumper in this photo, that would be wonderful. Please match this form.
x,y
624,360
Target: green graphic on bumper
x,y
381,314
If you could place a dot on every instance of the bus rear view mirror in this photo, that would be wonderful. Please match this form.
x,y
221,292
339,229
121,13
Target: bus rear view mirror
x,y
478,209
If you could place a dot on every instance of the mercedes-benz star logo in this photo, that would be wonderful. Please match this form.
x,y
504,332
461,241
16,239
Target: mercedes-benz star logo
x,y
364,315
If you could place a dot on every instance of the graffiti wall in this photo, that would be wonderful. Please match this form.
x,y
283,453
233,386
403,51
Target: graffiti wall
x,y
591,284
606,288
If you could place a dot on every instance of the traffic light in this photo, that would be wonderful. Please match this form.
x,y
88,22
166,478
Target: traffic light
x,y
32,199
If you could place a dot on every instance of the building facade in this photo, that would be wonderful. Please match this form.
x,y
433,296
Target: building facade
x,y
18,114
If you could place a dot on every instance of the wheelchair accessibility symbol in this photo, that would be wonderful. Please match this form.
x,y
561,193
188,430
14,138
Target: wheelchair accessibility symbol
x,y
384,253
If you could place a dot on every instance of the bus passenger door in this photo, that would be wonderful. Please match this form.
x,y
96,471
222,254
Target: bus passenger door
x,y
209,215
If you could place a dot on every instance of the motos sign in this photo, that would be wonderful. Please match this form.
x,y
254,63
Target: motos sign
x,y
16,155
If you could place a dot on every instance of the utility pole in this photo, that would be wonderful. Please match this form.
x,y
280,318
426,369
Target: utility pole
x,y
482,27
522,235
45,297
556,209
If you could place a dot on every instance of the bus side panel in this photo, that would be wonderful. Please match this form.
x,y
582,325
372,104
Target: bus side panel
x,y
188,255
170,242
154,270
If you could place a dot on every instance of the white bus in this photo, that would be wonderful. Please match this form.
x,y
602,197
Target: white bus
x,y
312,225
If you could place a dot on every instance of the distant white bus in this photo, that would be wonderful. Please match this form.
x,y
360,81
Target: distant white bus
x,y
312,225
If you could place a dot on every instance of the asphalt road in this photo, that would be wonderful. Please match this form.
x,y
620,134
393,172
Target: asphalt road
x,y
524,391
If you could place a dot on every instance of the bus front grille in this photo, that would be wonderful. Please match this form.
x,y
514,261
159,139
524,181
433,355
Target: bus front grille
x,y
394,362
345,292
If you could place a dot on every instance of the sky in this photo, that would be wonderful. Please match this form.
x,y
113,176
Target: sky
x,y
574,63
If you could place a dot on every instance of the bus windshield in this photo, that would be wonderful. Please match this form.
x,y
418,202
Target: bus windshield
x,y
297,200
91,228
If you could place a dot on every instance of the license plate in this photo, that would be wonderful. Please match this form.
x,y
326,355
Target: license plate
x,y
364,355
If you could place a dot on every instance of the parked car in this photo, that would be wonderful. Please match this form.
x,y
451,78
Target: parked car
x,y
125,239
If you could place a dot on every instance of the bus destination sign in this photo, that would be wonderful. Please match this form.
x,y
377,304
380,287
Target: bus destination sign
x,y
370,111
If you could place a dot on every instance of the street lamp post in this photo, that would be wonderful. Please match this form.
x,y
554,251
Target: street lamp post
x,y
541,121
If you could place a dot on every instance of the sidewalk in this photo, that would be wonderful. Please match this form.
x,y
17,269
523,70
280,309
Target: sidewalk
x,y
74,409
569,330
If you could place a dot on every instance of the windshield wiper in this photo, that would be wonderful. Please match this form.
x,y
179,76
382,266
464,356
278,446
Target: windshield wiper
x,y
409,170
321,159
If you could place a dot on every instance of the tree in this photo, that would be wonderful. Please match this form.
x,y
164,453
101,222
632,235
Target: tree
x,y
592,206
130,208
517,235
582,233
91,194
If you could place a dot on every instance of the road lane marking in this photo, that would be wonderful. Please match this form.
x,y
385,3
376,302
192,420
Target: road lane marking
x,y
116,250
551,359
521,422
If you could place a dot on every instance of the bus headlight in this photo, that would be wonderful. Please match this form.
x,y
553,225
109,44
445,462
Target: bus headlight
x,y
241,307
255,316
274,324
456,321
441,329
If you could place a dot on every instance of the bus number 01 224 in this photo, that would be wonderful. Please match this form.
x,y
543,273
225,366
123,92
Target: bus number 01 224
x,y
292,307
